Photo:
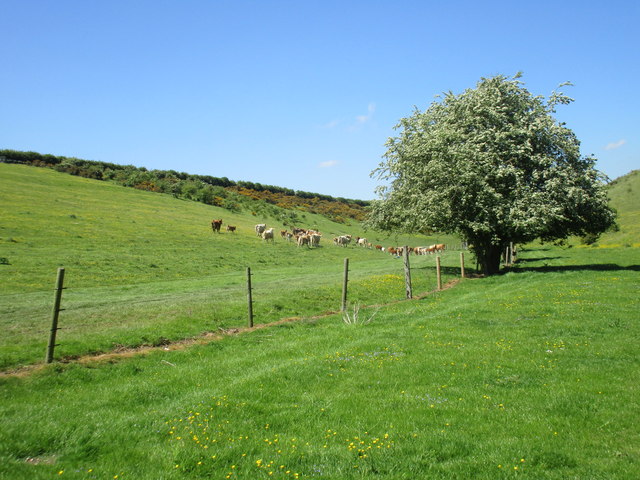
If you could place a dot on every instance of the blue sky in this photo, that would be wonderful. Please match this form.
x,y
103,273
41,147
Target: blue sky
x,y
300,94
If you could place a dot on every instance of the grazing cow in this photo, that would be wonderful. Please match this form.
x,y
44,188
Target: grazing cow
x,y
361,242
440,247
378,247
215,225
268,235
231,228
260,228
303,240
315,239
283,233
342,240
392,250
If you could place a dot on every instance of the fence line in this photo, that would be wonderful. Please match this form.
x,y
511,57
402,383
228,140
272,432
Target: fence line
x,y
250,301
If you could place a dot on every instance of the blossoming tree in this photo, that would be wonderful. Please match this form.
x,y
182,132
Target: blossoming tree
x,y
494,166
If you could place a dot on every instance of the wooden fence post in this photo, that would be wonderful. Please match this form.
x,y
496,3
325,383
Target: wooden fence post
x,y
345,280
249,297
438,274
54,316
407,272
461,264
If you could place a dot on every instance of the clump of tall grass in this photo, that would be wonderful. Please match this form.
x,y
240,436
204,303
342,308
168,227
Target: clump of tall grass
x,y
355,318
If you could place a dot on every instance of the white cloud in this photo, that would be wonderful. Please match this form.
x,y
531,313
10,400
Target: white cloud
x,y
331,124
614,145
328,164
360,119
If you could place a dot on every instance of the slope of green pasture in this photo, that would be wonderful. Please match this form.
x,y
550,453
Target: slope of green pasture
x,y
624,193
144,268
531,374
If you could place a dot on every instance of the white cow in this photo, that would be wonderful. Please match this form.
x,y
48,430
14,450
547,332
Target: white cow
x,y
342,240
260,228
268,235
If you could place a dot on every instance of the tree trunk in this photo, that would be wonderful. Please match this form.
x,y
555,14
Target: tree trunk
x,y
489,258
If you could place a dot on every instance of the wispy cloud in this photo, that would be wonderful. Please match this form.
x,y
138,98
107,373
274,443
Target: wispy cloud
x,y
349,126
614,145
328,164
360,119
331,124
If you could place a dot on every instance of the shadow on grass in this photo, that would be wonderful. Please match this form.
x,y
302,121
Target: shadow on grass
x,y
602,267
453,271
539,259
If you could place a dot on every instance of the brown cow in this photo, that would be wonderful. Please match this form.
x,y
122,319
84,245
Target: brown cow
x,y
215,225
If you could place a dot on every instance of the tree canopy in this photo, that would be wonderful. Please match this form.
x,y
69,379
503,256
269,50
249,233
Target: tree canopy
x,y
493,165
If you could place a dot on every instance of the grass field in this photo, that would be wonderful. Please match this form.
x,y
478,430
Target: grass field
x,y
624,193
144,268
532,374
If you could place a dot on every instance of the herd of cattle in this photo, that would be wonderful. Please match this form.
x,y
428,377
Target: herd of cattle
x,y
311,238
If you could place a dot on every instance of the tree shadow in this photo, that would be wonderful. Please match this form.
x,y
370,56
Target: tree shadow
x,y
599,267
539,259
443,270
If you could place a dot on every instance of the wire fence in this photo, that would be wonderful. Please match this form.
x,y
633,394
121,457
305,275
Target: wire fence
x,y
82,323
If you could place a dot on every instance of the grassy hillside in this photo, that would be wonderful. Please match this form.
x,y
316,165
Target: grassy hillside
x,y
624,193
144,268
532,374
221,192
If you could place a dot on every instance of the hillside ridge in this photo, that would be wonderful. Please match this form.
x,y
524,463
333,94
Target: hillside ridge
x,y
216,191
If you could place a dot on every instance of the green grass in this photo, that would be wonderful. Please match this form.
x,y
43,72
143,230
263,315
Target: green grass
x,y
531,374
144,268
624,193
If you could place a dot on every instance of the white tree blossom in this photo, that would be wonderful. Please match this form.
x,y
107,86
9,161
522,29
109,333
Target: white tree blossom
x,y
494,166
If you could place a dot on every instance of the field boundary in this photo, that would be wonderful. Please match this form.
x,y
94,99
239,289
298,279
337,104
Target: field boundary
x,y
202,339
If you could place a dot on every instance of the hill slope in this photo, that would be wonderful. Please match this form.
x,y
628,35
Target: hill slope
x,y
144,267
624,193
207,189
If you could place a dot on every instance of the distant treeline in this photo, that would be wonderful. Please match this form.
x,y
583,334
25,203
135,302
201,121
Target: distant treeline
x,y
218,191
